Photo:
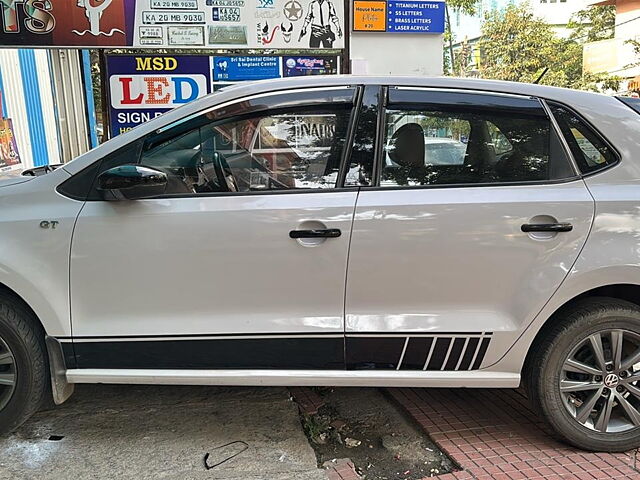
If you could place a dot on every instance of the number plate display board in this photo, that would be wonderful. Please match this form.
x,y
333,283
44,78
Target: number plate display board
x,y
233,24
141,87
398,16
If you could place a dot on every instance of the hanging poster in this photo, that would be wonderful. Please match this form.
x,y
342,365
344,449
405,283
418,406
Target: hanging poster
x,y
9,156
238,24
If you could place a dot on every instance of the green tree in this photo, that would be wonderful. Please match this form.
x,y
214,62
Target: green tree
x,y
593,23
468,7
518,46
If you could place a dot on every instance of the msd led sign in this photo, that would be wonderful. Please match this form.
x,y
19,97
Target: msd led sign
x,y
141,87
153,91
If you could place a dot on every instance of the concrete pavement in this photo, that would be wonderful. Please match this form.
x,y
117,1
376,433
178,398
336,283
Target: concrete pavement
x,y
154,432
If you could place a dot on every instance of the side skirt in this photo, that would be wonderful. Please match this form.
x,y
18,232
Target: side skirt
x,y
469,379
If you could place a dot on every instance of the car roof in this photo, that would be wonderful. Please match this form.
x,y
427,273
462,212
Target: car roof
x,y
500,86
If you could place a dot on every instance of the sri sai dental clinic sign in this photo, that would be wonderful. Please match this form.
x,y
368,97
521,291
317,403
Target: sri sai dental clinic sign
x,y
141,87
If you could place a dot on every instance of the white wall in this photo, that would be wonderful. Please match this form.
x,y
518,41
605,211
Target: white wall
x,y
396,53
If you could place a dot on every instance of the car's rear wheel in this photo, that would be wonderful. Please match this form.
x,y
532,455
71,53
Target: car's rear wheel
x,y
583,376
23,365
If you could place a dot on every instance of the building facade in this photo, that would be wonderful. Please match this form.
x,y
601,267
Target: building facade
x,y
619,55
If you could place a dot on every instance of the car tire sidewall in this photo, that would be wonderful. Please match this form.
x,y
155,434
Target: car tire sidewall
x,y
29,386
552,404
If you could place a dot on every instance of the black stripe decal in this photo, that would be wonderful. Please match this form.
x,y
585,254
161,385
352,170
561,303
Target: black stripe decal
x,y
321,352
378,353
69,355
416,353
455,353
439,353
268,353
469,353
483,349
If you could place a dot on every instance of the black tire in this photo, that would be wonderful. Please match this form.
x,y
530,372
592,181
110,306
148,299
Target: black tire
x,y
543,370
19,331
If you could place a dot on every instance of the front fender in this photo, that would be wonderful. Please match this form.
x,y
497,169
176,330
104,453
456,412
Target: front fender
x,y
34,261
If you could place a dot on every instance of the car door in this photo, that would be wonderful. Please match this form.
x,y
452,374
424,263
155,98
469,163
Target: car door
x,y
476,218
241,263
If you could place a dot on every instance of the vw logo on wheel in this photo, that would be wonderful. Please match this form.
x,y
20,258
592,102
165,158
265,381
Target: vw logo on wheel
x,y
611,380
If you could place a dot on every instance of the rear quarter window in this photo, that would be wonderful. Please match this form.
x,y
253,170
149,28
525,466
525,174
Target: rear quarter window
x,y
634,103
589,149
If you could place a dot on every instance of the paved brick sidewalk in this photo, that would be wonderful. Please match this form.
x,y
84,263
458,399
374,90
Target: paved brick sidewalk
x,y
342,469
493,434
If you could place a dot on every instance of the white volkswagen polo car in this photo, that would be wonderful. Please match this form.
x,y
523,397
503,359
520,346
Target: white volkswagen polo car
x,y
340,231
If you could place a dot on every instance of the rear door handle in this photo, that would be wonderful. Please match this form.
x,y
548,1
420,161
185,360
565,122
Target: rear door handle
x,y
320,233
546,227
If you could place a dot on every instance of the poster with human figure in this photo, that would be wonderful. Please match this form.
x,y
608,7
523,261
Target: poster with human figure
x,y
184,24
321,16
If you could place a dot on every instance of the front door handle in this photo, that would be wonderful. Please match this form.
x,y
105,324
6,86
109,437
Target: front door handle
x,y
319,233
546,227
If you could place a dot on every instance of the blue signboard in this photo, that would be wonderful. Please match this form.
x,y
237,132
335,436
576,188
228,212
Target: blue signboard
x,y
299,66
404,16
234,69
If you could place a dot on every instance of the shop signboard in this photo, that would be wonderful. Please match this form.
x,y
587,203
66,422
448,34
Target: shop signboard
x,y
415,17
233,69
141,87
369,16
237,24
399,16
9,157
300,65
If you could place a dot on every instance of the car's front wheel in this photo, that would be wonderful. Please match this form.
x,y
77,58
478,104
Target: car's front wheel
x,y
23,365
584,375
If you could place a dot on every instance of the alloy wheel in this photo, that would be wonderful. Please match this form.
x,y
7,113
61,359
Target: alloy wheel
x,y
7,373
599,381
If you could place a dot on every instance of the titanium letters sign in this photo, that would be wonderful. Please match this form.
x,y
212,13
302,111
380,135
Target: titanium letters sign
x,y
415,17
240,24
398,16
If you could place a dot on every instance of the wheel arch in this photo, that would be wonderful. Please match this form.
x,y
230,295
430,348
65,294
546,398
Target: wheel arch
x,y
6,291
59,390
52,322
620,291
614,281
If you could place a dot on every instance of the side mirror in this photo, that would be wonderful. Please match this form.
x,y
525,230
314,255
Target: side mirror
x,y
132,182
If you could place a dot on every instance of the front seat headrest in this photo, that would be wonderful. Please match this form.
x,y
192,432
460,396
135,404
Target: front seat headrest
x,y
407,146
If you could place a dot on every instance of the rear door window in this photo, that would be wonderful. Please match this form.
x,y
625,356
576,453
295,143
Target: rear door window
x,y
435,138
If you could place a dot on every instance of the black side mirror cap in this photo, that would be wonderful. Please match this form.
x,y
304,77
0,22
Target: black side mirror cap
x,y
132,182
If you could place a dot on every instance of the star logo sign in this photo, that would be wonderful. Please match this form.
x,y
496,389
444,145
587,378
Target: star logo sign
x,y
293,10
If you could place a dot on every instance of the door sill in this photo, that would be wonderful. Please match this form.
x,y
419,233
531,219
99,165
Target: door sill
x,y
279,378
